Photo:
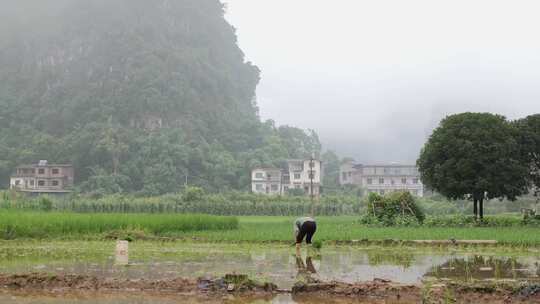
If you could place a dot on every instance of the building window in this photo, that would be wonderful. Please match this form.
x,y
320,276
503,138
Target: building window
x,y
55,183
297,176
415,181
404,181
275,188
381,180
312,174
415,192
55,171
31,182
286,188
369,181
17,182
344,175
41,171
393,182
41,183
258,175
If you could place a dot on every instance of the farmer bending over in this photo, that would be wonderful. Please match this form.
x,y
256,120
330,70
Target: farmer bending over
x,y
304,227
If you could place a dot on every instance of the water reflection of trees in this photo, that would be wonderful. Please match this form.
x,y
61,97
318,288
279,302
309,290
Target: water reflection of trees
x,y
480,268
385,257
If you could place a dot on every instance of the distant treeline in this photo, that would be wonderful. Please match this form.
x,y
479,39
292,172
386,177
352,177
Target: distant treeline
x,y
194,200
191,201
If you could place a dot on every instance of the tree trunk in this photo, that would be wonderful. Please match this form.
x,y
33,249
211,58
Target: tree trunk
x,y
481,208
475,208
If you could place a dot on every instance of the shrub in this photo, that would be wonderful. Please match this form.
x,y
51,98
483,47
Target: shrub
x,y
394,209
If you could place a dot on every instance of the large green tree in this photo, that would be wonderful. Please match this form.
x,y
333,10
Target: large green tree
x,y
474,156
139,95
332,165
529,136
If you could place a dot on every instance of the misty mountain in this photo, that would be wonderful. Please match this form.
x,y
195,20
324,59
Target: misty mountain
x,y
138,95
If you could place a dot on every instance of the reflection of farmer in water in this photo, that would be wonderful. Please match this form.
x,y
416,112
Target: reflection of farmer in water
x,y
304,227
308,267
305,271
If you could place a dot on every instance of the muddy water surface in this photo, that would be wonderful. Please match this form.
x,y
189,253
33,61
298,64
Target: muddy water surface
x,y
269,263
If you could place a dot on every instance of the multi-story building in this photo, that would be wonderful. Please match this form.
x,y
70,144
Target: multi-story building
x,y
304,175
266,180
43,178
382,179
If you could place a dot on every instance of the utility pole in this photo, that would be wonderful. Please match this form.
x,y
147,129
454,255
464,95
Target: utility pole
x,y
537,194
311,176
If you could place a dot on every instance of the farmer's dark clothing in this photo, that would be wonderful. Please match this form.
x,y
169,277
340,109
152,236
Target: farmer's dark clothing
x,y
304,227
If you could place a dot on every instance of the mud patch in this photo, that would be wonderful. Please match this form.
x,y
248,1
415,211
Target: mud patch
x,y
238,288
389,292
376,289
39,281
70,283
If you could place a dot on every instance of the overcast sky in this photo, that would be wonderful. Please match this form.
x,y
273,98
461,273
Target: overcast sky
x,y
374,78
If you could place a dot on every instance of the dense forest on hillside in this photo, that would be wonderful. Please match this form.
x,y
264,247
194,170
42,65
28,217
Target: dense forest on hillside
x,y
136,94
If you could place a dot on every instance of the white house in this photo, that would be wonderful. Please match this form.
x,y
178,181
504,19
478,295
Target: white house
x,y
382,179
305,175
42,178
266,181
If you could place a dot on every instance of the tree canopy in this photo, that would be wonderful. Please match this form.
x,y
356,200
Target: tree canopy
x,y
138,95
332,164
475,156
529,135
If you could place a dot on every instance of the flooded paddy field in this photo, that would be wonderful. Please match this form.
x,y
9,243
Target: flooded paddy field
x,y
154,261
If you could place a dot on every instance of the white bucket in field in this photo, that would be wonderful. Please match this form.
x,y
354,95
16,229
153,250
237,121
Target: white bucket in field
x,y
122,253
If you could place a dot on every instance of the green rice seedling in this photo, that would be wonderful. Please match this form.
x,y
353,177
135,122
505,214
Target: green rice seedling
x,y
18,224
348,228
317,244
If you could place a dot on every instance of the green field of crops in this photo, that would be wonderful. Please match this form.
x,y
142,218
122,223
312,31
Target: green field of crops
x,y
257,229
345,228
17,224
